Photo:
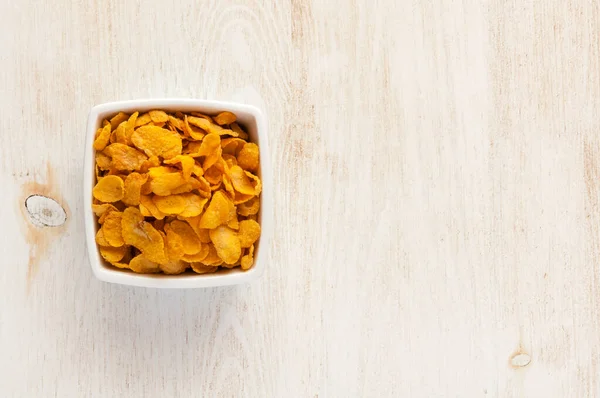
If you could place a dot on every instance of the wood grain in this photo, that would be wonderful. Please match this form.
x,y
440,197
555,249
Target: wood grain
x,y
437,168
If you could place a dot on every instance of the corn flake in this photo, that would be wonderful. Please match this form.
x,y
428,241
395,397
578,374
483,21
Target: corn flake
x,y
157,141
142,265
249,232
124,157
233,223
224,118
100,238
103,161
164,184
111,229
247,159
191,242
113,254
209,145
250,207
218,212
129,127
172,204
174,267
200,268
158,116
102,139
227,244
143,120
118,119
133,186
244,182
248,259
194,205
109,189
99,210
174,244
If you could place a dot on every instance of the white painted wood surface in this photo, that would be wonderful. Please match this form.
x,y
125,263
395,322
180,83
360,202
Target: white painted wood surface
x,y
437,199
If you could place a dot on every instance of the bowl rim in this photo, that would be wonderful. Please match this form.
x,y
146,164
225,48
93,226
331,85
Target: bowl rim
x,y
177,281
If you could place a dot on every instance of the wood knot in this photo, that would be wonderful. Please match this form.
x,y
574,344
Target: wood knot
x,y
44,211
520,360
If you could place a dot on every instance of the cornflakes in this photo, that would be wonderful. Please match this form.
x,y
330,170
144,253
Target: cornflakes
x,y
194,205
109,189
142,265
173,267
124,157
158,116
247,159
133,186
218,211
113,254
248,233
249,207
100,238
224,118
118,119
103,161
111,229
157,141
174,244
227,244
244,182
191,242
119,134
143,119
130,127
102,139
209,145
248,259
99,210
164,184
200,268
172,204
176,191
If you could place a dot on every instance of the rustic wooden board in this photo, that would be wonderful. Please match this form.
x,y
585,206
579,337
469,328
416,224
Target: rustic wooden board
x,y
437,191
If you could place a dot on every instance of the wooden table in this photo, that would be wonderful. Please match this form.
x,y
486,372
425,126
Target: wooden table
x,y
437,192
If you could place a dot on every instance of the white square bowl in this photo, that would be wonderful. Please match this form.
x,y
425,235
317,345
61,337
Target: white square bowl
x,y
253,121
